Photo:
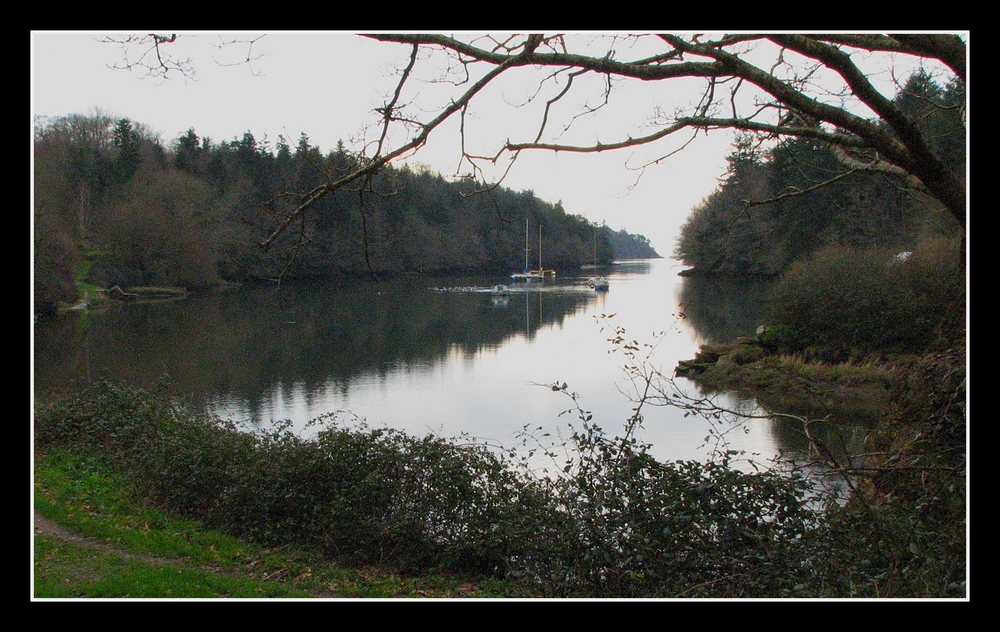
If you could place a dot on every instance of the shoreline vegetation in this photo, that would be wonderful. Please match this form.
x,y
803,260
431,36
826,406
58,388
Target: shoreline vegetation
x,y
851,390
867,319
92,542
856,551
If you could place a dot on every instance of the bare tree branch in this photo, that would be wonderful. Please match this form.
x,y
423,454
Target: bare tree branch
x,y
248,58
900,147
379,160
753,83
147,54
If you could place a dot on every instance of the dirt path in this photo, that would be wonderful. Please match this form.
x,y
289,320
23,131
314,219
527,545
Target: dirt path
x,y
44,526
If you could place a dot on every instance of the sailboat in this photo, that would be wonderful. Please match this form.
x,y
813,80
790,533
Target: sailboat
x,y
541,270
600,283
526,276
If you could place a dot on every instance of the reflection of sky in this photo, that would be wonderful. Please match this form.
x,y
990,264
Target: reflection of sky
x,y
494,392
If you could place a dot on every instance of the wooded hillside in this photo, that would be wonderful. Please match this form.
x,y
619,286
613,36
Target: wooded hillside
x,y
114,206
771,209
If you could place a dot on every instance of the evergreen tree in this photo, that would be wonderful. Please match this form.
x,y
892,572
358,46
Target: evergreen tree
x,y
128,142
187,152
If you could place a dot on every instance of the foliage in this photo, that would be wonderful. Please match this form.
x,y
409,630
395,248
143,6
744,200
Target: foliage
x,y
843,303
892,550
121,549
628,525
158,231
54,282
904,530
614,523
781,203
629,246
365,496
194,214
926,429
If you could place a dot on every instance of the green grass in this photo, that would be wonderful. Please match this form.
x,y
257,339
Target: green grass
x,y
64,571
785,382
143,553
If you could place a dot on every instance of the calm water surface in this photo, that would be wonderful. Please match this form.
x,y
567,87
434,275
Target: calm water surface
x,y
424,354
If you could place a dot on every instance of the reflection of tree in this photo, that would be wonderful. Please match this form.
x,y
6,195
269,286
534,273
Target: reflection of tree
x,y
255,341
844,440
721,309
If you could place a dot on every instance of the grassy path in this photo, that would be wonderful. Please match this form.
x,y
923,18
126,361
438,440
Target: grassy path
x,y
91,542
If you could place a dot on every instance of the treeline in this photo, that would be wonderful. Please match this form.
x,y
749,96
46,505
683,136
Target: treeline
x,y
113,206
628,246
731,233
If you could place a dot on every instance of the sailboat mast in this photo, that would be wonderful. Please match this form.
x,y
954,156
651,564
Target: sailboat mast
x,y
540,248
526,244
595,245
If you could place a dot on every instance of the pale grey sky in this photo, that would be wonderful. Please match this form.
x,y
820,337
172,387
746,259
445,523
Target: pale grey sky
x,y
326,85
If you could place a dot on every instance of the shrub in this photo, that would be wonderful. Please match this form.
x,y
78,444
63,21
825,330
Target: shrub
x,y
173,456
890,550
628,525
615,523
848,303
360,495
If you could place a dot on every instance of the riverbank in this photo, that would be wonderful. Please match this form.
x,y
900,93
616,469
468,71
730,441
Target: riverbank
x,y
90,541
914,407
789,384
95,297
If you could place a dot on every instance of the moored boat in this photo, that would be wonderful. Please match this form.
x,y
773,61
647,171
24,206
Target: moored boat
x,y
542,271
598,283
526,276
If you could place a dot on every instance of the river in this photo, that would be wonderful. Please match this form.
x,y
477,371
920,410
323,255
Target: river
x,y
439,355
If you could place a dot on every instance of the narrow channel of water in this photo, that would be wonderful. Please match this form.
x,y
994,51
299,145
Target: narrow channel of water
x,y
430,355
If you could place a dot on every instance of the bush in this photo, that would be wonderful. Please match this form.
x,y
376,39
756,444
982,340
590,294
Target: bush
x,y
890,550
614,523
360,495
628,525
849,303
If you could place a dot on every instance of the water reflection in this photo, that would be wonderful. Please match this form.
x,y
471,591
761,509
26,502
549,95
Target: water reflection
x,y
422,354
248,342
721,309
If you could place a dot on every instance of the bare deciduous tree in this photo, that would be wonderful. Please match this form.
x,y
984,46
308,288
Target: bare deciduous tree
x,y
818,86
149,55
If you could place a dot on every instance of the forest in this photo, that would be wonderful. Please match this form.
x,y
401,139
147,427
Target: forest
x,y
113,206
869,274
769,211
